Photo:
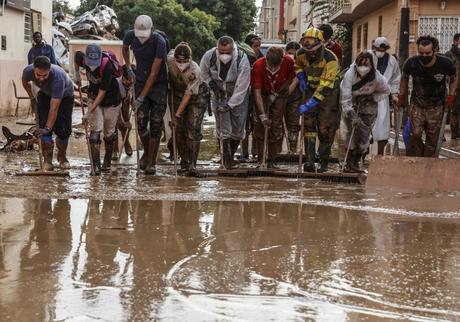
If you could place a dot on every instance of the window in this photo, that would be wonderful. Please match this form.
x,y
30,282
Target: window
x,y
3,42
442,28
365,30
36,21
380,26
27,27
358,37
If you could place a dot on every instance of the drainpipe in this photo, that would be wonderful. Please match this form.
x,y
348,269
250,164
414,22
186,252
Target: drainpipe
x,y
281,20
3,7
404,33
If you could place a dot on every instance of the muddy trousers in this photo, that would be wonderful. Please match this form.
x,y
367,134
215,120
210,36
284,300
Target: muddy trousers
x,y
150,124
428,120
249,129
323,121
124,127
455,119
275,112
291,117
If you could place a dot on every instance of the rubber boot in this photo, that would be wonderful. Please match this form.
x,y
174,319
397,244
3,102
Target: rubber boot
x,y
194,149
96,156
234,146
357,158
245,149
153,146
61,154
128,147
109,144
323,164
381,147
47,152
254,147
115,148
310,152
143,160
353,162
273,151
228,154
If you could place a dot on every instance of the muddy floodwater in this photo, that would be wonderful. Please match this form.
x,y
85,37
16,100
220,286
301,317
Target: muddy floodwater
x,y
119,260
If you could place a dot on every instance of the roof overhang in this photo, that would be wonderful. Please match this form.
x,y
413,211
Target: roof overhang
x,y
357,10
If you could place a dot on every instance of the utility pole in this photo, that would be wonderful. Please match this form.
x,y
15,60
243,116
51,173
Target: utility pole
x,y
404,33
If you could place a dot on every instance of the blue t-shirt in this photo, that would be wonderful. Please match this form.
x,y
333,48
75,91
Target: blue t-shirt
x,y
45,50
58,85
146,53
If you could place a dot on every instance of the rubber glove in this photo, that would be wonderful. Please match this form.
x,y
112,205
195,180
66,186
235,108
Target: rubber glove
x,y
303,83
307,107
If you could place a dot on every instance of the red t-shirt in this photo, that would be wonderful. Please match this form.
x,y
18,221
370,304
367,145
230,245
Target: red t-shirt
x,y
337,49
264,80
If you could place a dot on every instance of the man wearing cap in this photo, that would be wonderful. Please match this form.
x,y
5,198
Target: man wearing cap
x,y
55,102
150,50
188,95
388,66
104,103
226,70
318,70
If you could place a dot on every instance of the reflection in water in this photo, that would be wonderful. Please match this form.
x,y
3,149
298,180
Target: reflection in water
x,y
118,260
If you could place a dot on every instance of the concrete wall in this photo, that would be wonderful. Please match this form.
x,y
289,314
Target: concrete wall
x,y
14,58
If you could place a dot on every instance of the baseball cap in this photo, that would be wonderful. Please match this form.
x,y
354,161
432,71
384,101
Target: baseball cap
x,y
143,26
93,55
381,42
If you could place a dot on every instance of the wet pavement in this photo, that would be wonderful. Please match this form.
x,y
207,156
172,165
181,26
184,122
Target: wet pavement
x,y
126,247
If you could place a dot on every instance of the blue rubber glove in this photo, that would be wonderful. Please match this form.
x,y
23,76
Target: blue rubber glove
x,y
303,83
307,107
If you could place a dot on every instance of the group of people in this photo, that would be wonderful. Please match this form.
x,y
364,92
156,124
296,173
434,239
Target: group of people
x,y
249,93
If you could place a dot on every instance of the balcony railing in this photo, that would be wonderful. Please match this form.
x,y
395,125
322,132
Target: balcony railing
x,y
338,5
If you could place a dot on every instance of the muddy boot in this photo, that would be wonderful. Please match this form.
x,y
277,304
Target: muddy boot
x,y
144,158
194,149
254,148
109,147
228,157
115,148
47,152
381,147
273,151
153,146
61,154
324,165
234,146
310,152
128,149
245,149
353,165
293,138
96,156
184,165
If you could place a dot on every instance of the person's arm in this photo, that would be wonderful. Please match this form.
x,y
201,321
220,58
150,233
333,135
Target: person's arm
x,y
242,83
192,89
395,79
403,90
346,96
327,80
293,86
183,104
152,77
104,86
259,100
453,83
126,56
28,88
205,67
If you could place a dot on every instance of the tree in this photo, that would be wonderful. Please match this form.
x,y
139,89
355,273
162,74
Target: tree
x,y
87,5
196,27
62,6
236,17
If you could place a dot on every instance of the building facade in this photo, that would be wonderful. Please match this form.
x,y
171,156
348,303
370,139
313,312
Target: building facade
x,y
19,19
373,18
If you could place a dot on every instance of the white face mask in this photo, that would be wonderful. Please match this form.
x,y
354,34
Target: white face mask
x,y
379,54
142,40
182,66
225,58
363,70
92,68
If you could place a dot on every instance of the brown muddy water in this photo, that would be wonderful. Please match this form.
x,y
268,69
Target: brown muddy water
x,y
118,260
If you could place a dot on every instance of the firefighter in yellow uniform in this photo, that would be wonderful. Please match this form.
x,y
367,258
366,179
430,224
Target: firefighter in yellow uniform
x,y
317,70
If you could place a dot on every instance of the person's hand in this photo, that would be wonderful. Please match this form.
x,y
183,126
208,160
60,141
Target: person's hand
x,y
307,107
265,120
450,102
354,118
178,115
395,98
215,88
42,132
131,75
137,103
223,108
173,123
303,82
84,119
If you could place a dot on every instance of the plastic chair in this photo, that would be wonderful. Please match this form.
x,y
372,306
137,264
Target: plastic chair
x,y
18,98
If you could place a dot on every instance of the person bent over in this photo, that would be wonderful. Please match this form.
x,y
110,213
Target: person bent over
x,y
55,103
362,88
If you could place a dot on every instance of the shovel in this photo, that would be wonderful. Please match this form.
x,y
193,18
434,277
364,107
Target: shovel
x,y
441,133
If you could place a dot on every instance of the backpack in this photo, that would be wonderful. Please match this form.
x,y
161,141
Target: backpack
x,y
213,62
165,37
109,56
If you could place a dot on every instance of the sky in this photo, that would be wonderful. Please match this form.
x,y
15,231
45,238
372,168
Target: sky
x,y
74,3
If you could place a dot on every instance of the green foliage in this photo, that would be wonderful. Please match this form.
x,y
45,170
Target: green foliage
x,y
344,34
236,17
62,6
195,27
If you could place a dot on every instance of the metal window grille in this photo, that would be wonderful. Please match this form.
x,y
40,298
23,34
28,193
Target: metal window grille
x,y
27,27
443,28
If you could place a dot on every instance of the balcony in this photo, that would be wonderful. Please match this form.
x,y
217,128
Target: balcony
x,y
351,10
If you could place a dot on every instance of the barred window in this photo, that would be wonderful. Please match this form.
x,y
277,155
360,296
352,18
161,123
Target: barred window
x,y
27,27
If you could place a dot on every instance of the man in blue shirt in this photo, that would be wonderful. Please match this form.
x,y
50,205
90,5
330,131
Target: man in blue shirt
x,y
55,102
40,48
150,49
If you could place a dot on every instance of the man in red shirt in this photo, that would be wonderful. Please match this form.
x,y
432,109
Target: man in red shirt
x,y
273,80
331,44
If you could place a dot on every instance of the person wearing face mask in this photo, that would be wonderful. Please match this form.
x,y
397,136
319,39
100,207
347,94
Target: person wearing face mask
x,y
318,70
104,103
430,73
55,101
188,95
40,48
150,50
454,55
360,91
291,114
273,80
330,43
388,66
227,71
